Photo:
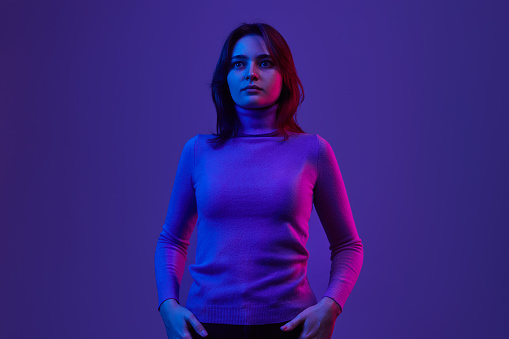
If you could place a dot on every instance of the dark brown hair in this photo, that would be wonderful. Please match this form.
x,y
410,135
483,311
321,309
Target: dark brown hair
x,y
292,92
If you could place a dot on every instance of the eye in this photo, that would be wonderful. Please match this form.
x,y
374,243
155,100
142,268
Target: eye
x,y
267,63
234,65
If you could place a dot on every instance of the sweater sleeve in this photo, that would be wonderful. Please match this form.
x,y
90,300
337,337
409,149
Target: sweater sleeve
x,y
333,209
181,217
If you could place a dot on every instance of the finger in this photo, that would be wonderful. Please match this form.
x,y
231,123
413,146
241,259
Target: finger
x,y
305,333
185,334
198,327
168,332
292,323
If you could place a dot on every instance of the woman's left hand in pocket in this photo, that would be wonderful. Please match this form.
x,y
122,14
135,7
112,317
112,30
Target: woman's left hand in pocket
x,y
318,320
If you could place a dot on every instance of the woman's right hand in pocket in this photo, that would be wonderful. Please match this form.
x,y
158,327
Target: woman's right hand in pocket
x,y
176,319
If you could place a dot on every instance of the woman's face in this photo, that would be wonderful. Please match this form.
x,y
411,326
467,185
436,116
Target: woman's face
x,y
252,66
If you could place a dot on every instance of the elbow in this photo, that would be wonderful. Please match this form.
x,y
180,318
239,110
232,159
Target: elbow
x,y
353,247
166,240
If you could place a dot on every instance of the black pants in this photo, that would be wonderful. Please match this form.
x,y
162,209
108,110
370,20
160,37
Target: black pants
x,y
268,331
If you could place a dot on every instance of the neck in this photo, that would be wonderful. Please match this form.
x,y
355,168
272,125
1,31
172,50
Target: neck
x,y
257,120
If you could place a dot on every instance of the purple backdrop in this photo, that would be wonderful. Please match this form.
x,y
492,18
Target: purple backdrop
x,y
97,99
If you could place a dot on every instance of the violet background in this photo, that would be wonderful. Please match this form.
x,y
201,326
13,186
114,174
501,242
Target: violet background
x,y
97,99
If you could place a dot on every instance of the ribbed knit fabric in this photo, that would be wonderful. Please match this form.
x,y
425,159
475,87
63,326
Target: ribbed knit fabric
x,y
251,201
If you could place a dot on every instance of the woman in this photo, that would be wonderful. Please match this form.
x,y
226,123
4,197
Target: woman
x,y
250,190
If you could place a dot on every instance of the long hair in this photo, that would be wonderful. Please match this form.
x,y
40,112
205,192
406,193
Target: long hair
x,y
292,92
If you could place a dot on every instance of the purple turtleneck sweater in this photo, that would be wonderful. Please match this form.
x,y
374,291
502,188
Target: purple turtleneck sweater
x,y
251,200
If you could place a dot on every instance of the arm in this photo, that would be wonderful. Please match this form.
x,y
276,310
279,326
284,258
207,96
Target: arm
x,y
333,209
171,249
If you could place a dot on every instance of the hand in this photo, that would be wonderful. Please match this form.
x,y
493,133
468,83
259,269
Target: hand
x,y
176,318
318,320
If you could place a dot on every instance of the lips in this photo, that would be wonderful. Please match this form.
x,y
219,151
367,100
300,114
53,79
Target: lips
x,y
252,87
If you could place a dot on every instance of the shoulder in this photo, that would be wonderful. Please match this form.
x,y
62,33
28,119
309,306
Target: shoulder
x,y
308,138
190,146
311,136
316,142
202,141
323,145
322,142
200,138
324,150
199,143
190,143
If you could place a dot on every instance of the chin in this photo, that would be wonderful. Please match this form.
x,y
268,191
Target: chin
x,y
255,104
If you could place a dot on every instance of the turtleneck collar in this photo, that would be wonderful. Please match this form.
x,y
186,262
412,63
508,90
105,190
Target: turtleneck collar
x,y
257,121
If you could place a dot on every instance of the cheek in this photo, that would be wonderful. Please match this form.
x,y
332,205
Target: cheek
x,y
231,84
228,80
277,84
280,83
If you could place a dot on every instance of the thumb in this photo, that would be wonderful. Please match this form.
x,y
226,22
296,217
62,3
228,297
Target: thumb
x,y
292,323
198,327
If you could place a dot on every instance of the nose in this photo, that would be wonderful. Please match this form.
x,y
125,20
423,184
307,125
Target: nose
x,y
252,72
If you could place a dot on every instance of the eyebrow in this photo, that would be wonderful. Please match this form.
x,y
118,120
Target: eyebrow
x,y
240,56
